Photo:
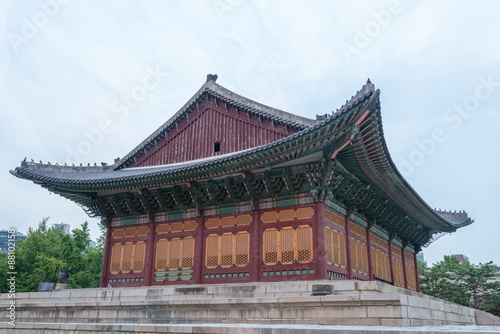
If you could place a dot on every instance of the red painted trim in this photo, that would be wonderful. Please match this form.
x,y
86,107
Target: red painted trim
x,y
150,252
369,254
105,262
319,242
348,246
255,247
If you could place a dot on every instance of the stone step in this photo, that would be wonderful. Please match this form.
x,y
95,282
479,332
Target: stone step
x,y
86,328
304,302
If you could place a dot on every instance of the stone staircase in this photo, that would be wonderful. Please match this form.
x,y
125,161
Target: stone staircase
x,y
235,308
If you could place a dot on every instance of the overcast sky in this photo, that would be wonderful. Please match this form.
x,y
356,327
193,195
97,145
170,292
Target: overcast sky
x,y
73,87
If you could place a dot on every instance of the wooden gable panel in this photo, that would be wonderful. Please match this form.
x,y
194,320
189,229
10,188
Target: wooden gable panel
x,y
195,137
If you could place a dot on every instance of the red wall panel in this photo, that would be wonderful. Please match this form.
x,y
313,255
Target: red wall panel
x,y
195,136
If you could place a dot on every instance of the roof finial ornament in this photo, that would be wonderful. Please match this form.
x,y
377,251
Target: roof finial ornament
x,y
212,77
368,81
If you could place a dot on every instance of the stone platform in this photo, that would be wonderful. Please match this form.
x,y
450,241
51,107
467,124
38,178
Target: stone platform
x,y
239,308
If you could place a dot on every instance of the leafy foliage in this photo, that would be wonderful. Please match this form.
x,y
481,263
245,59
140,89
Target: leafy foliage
x,y
46,251
462,283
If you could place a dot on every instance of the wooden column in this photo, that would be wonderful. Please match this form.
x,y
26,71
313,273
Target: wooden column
x,y
348,245
199,252
149,266
319,242
369,253
255,246
107,252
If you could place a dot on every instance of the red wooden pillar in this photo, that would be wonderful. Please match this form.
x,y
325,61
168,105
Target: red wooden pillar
x,y
319,243
416,272
405,274
199,254
107,252
255,246
150,249
348,246
369,254
391,267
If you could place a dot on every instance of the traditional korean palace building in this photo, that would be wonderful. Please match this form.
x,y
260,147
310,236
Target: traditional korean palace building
x,y
230,190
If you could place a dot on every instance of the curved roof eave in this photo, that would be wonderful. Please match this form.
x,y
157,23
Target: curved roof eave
x,y
375,162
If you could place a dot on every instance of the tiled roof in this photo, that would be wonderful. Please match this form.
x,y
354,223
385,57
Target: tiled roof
x,y
367,159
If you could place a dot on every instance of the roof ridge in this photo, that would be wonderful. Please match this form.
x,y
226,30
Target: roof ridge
x,y
367,89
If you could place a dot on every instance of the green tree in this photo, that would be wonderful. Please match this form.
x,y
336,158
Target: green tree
x,y
462,283
440,280
492,304
46,251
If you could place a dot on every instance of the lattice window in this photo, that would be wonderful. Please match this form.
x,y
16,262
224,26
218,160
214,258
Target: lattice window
x,y
227,250
270,246
116,256
397,267
162,250
341,250
128,257
175,254
335,247
288,245
139,257
242,249
212,251
330,239
359,256
128,253
304,244
187,253
411,275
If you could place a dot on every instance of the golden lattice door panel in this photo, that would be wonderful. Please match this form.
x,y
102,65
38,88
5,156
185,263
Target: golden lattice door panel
x,y
227,250
335,247
128,257
174,254
287,245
